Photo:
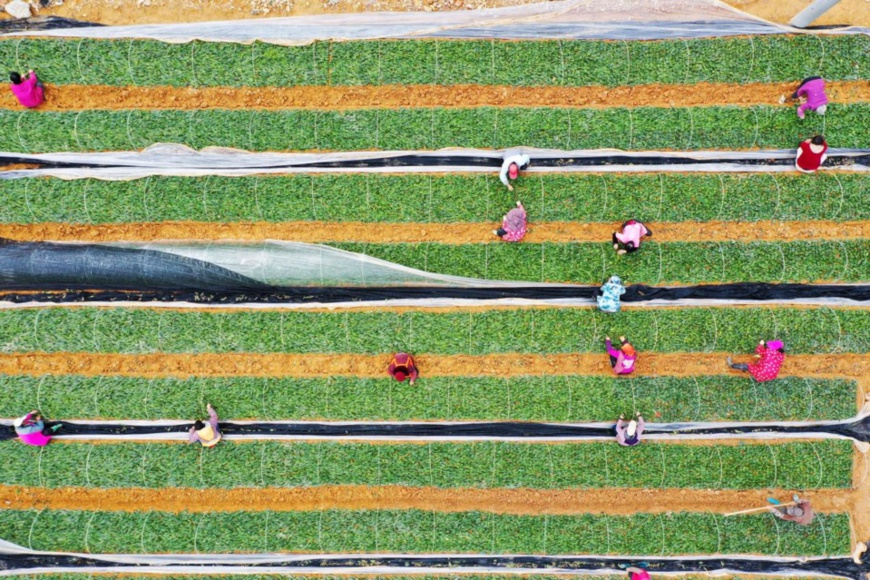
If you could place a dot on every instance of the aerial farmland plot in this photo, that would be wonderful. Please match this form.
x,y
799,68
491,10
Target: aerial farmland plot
x,y
347,216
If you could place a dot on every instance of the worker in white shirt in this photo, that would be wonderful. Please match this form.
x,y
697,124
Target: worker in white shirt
x,y
511,166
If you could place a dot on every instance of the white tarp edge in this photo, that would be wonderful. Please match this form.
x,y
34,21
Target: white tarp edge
x,y
564,19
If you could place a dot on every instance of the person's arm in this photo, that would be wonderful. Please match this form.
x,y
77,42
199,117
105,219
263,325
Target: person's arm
x,y
761,348
212,417
640,424
620,428
610,350
192,435
31,79
412,372
503,174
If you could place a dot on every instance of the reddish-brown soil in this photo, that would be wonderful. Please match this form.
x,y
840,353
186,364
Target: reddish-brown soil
x,y
455,233
359,497
87,97
321,365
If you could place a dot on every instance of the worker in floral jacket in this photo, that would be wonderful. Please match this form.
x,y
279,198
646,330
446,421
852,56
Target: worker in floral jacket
x,y
770,357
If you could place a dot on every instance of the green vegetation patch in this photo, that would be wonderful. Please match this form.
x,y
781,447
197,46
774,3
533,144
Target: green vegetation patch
x,y
549,398
665,263
817,464
412,531
561,63
437,199
687,128
549,330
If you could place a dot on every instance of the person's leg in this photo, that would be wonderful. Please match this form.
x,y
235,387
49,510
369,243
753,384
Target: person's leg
x,y
51,428
612,361
737,366
500,232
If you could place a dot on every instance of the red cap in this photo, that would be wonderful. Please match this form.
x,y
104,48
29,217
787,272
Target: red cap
x,y
399,376
513,170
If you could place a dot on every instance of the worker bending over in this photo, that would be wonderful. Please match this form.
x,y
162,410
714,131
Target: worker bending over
x,y
511,166
206,433
770,357
32,429
28,91
402,366
800,513
628,434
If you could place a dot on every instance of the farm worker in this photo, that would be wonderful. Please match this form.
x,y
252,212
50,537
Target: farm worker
x,y
621,360
771,356
511,166
811,96
609,293
208,433
627,240
628,434
29,91
635,573
811,154
402,366
513,224
32,430
800,513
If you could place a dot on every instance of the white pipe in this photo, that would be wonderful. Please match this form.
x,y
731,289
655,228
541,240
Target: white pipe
x,y
812,12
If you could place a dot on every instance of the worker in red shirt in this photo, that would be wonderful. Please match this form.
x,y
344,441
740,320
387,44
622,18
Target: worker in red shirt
x,y
770,357
402,366
29,91
811,154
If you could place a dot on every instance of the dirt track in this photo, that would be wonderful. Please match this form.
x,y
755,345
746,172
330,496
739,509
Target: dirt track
x,y
323,365
457,233
613,501
96,97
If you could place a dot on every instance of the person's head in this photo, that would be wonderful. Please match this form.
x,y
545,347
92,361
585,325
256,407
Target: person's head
x,y
818,140
628,349
513,171
614,280
15,78
198,425
631,430
776,345
629,246
822,109
400,373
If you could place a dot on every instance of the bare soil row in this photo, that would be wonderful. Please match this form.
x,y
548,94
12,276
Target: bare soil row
x,y
455,233
102,97
522,501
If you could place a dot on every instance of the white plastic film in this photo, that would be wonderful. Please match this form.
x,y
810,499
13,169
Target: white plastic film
x,y
179,160
565,19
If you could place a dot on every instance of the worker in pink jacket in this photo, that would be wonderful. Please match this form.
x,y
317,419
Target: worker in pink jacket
x,y
621,360
32,430
29,91
628,239
811,96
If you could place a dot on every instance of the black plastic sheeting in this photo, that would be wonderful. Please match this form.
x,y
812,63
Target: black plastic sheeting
x,y
857,429
49,266
55,272
751,159
842,567
42,23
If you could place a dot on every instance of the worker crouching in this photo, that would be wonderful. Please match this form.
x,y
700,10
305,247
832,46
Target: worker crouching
x,y
402,366
770,357
207,434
